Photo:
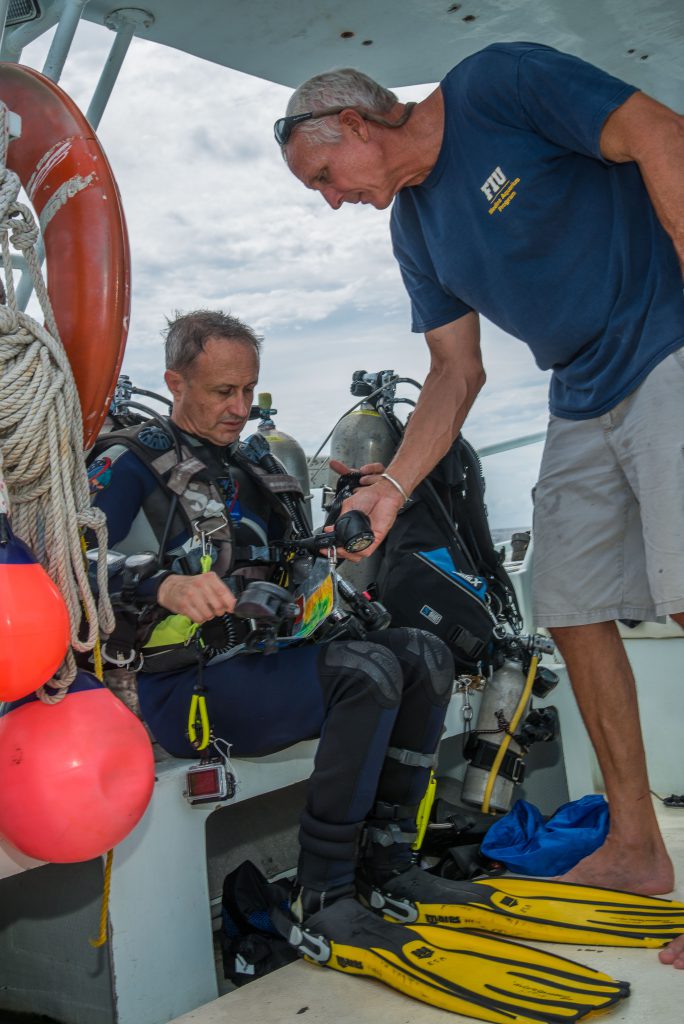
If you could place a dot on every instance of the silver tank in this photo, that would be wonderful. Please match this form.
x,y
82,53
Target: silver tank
x,y
288,451
361,437
501,697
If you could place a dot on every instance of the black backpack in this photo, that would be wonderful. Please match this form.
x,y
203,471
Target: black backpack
x,y
440,570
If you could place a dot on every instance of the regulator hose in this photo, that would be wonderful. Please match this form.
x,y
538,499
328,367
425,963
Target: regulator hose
x,y
257,450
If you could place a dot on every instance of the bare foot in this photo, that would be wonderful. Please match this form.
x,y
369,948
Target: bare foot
x,y
613,866
673,954
617,866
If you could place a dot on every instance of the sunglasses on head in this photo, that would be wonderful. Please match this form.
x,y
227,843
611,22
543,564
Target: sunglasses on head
x,y
284,126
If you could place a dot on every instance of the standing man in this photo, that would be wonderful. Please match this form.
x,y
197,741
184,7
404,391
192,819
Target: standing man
x,y
544,193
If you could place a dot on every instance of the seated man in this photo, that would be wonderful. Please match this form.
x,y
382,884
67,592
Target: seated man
x,y
378,704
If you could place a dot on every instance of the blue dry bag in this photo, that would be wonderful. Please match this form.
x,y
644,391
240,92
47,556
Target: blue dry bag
x,y
529,844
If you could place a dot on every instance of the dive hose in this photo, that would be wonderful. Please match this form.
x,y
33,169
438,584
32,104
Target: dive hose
x,y
513,725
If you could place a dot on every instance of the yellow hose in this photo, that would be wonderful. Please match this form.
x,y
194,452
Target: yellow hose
x,y
517,715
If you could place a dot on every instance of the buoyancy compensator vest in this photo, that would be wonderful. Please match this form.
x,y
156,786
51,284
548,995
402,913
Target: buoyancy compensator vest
x,y
191,497
194,500
440,570
437,569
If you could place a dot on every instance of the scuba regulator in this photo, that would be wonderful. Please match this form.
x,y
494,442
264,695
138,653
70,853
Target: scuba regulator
x,y
270,606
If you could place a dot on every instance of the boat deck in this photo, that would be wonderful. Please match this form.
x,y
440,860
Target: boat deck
x,y
301,992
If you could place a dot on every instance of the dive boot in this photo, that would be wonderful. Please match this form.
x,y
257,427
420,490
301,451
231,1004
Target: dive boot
x,y
527,908
480,976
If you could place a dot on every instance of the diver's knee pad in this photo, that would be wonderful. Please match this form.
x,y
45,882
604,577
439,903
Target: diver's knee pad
x,y
354,664
429,656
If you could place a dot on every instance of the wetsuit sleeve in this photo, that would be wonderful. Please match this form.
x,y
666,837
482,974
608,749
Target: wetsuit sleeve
x,y
119,484
119,487
431,306
558,96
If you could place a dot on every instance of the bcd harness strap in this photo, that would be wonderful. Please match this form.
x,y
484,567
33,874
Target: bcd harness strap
x,y
481,754
392,832
192,484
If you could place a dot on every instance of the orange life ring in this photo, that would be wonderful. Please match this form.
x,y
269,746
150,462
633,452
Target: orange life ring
x,y
67,176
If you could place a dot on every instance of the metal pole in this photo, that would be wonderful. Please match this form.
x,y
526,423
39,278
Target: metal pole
x,y
124,22
63,38
507,446
24,289
4,5
19,36
54,65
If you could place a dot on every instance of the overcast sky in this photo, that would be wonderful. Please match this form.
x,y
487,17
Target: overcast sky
x,y
216,220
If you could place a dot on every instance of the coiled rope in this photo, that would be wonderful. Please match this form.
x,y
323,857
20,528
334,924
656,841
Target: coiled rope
x,y
41,439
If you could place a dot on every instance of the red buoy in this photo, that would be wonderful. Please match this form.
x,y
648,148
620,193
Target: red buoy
x,y
34,621
75,777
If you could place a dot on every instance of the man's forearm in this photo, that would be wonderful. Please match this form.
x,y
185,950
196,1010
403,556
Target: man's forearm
x,y
444,403
652,135
662,183
430,432
456,376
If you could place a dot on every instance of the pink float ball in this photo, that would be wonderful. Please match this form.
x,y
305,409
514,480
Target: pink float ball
x,y
75,777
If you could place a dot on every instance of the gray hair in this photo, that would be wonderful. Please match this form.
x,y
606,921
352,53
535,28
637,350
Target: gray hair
x,y
188,333
345,87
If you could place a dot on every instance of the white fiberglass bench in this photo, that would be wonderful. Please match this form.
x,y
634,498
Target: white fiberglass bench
x,y
161,947
161,943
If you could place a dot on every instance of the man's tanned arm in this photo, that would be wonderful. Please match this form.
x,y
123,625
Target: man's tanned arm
x,y
456,376
652,135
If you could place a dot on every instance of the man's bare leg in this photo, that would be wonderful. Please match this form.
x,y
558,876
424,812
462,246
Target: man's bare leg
x,y
633,857
674,953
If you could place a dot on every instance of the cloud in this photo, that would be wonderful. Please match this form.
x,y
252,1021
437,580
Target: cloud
x,y
216,219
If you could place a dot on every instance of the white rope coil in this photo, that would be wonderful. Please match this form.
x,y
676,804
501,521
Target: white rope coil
x,y
41,439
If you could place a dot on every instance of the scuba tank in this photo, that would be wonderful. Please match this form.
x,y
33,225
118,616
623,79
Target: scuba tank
x,y
506,719
502,695
361,437
288,451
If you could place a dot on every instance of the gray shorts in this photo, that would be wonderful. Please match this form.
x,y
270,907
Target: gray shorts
x,y
609,509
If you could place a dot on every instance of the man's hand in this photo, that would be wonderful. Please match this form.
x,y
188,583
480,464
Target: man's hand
x,y
369,473
381,502
380,506
200,597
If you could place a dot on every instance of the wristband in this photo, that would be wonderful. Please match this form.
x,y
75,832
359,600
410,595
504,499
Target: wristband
x,y
395,483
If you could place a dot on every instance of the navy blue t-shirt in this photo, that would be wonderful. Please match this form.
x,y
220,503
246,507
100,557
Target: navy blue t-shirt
x,y
523,220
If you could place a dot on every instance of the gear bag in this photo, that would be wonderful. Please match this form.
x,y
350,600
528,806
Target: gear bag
x,y
440,570
250,943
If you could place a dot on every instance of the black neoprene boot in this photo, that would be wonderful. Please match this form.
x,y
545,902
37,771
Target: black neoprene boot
x,y
388,843
308,902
